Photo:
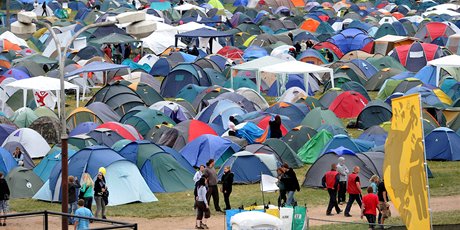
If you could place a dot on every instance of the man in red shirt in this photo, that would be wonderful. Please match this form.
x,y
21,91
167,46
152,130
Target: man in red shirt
x,y
369,208
354,190
330,183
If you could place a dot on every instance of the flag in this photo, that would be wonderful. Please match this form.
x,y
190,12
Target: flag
x,y
268,183
404,170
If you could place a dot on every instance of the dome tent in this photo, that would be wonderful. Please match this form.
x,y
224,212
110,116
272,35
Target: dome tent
x,y
124,181
23,182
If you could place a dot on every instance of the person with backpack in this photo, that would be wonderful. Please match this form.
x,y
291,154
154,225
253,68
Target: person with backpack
x,y
73,187
100,190
4,197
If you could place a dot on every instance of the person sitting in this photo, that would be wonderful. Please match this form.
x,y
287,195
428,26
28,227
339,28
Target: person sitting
x,y
18,156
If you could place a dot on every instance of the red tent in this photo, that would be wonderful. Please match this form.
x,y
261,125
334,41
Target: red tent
x,y
348,104
231,52
126,131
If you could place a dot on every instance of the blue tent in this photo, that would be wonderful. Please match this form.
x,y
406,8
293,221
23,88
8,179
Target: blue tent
x,y
83,128
219,112
294,80
442,144
124,181
376,134
206,147
246,168
427,75
179,158
189,92
5,131
254,52
46,165
346,142
351,39
182,75
428,97
7,161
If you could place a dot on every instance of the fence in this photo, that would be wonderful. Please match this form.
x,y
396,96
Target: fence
x,y
49,214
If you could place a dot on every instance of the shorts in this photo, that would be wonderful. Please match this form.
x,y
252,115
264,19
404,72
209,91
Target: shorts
x,y
201,209
384,208
4,207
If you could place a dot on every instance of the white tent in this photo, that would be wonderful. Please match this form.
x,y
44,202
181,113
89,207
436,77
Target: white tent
x,y
34,144
255,65
42,83
446,61
13,39
161,39
296,67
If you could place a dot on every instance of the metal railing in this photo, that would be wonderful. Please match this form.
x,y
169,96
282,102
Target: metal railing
x,y
46,214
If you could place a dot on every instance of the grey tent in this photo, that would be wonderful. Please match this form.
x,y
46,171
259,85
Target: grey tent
x,y
298,136
49,128
367,163
23,182
375,113
105,136
27,160
285,152
104,112
82,141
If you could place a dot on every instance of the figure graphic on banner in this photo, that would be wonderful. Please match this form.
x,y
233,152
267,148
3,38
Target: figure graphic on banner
x,y
41,97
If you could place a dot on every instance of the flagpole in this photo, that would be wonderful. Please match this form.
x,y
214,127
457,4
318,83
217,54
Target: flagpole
x,y
425,164
262,190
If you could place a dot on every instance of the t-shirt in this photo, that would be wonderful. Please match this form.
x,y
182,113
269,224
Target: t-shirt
x,y
381,189
83,223
370,202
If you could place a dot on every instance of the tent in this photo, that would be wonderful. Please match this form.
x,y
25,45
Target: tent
x,y
345,141
23,182
32,142
312,149
416,55
23,117
46,165
126,131
375,113
247,168
370,165
160,170
124,180
286,153
298,136
348,104
145,120
81,141
206,147
41,83
81,115
447,61
295,67
49,128
442,144
319,116
7,162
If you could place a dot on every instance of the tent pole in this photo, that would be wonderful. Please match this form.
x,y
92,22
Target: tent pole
x,y
262,190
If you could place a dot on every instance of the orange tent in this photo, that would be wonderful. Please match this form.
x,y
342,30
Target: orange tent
x,y
310,25
6,64
7,46
298,3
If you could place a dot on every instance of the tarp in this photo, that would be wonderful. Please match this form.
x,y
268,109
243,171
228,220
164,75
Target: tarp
x,y
96,66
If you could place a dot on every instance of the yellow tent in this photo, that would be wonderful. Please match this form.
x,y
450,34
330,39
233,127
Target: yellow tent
x,y
216,4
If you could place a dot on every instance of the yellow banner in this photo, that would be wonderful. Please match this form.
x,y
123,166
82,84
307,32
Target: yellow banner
x,y
404,171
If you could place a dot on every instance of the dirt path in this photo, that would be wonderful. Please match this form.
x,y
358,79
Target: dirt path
x,y
217,221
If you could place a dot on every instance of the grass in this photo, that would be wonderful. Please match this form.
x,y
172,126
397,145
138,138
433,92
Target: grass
x,y
439,218
180,203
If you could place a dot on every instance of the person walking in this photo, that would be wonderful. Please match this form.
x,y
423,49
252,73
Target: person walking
x,y
369,207
202,205
82,223
227,183
374,183
275,127
44,9
343,172
384,207
292,184
330,183
282,179
86,190
127,52
100,190
354,190
198,174
211,176
73,187
4,197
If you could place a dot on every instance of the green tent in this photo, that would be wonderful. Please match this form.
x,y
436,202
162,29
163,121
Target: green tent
x,y
23,117
286,153
81,141
114,38
388,88
144,120
312,149
16,101
216,4
169,173
23,183
318,116
45,112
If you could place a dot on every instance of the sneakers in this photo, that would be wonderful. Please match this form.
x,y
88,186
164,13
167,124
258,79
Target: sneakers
x,y
204,226
347,215
198,227
340,211
329,214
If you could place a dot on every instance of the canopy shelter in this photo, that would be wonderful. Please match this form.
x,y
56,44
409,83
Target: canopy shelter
x,y
446,61
116,38
96,66
204,33
295,67
42,83
255,65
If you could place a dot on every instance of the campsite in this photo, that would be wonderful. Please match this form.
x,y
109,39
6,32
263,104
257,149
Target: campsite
x,y
285,104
